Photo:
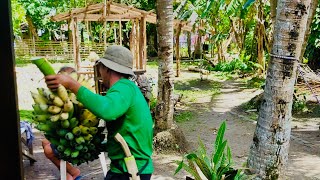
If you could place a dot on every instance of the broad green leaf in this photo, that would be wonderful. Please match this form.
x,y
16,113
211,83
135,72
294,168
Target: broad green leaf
x,y
220,135
217,156
248,3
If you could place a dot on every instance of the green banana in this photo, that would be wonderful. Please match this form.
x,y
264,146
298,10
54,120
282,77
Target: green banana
x,y
41,117
63,141
67,152
88,137
74,154
69,136
85,149
76,131
43,127
61,148
84,130
80,140
62,132
78,147
91,146
73,122
65,123
40,108
93,130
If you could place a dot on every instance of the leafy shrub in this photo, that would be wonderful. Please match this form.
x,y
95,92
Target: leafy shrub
x,y
215,167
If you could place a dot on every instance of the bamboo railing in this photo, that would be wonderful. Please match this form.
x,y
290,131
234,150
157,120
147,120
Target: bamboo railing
x,y
55,50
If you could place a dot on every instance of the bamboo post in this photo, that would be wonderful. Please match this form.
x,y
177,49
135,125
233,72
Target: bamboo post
x,y
143,44
105,23
76,52
132,41
136,43
120,32
177,46
114,32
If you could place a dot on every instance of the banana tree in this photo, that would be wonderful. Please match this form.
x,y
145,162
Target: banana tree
x,y
269,150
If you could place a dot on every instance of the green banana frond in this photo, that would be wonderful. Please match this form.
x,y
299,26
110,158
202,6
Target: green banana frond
x,y
190,168
218,155
248,3
203,166
203,152
220,136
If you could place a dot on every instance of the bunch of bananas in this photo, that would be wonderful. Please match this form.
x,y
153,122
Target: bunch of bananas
x,y
70,127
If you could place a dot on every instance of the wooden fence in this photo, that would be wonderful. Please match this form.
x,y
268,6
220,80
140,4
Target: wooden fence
x,y
55,50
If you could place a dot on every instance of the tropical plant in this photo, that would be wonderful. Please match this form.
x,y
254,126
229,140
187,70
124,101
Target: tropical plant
x,y
215,167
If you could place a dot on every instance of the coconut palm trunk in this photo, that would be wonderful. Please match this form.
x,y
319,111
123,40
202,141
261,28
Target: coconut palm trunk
x,y
164,110
269,151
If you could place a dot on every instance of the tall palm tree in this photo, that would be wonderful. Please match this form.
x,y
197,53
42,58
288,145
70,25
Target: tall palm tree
x,y
164,110
269,150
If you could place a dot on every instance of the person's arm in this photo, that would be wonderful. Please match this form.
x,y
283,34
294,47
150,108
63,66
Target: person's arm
x,y
53,82
109,107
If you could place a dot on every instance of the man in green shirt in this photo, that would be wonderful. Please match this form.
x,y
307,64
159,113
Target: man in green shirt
x,y
124,109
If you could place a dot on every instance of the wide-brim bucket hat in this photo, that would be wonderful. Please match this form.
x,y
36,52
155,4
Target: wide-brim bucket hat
x,y
119,59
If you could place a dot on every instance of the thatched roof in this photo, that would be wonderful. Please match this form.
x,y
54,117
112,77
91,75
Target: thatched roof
x,y
114,12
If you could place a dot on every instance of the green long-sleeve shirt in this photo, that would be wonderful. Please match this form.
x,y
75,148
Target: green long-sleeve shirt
x,y
126,111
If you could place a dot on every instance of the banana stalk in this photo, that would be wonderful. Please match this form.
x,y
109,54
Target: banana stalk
x,y
44,66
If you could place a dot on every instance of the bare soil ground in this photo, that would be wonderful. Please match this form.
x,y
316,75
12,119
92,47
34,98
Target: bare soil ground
x,y
208,113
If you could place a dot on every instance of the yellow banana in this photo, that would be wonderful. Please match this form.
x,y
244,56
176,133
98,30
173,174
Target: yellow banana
x,y
54,109
64,116
38,99
47,92
57,101
86,114
90,122
73,98
54,117
67,106
62,93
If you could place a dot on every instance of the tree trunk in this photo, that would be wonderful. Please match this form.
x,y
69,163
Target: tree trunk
x,y
164,107
269,151
312,12
177,46
32,29
260,37
189,44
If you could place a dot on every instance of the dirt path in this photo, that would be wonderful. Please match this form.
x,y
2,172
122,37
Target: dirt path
x,y
209,112
304,157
